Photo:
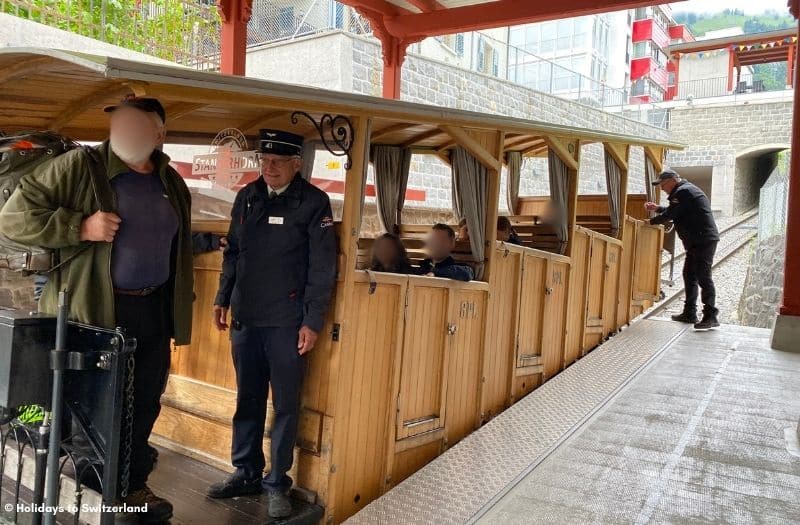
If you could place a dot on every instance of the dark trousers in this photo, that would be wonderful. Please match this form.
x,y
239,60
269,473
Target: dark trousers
x,y
146,319
697,272
264,356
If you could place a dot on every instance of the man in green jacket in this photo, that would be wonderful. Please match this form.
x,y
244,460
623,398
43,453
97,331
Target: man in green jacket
x,y
133,267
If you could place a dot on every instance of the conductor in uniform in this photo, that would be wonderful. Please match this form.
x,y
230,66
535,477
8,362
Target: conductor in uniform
x,y
278,272
690,210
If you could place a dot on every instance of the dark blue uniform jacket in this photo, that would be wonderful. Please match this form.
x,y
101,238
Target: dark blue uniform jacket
x,y
448,268
279,268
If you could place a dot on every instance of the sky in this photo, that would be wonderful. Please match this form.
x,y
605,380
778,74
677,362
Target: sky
x,y
712,6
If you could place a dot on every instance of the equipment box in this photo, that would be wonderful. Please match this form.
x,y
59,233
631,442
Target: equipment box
x,y
26,341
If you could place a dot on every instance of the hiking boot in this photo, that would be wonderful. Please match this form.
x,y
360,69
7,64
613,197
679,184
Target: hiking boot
x,y
158,509
709,321
686,317
235,485
279,505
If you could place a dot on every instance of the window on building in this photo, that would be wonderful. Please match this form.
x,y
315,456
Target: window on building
x,y
459,44
286,20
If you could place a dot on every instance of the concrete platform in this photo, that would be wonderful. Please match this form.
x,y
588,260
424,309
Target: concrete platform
x,y
661,424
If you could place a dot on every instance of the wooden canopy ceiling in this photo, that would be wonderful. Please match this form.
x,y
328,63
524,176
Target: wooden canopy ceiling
x,y
749,49
66,92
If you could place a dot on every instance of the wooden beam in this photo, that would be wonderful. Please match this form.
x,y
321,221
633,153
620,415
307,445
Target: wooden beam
x,y
181,109
422,136
521,140
656,156
492,204
444,146
388,130
526,145
535,150
502,13
462,138
561,148
107,93
444,156
247,125
619,152
27,67
572,204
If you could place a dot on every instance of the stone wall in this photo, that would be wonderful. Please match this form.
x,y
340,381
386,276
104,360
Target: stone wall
x,y
430,82
719,135
763,287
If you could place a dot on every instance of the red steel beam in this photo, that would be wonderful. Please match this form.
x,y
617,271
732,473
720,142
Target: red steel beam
x,y
791,278
497,14
235,15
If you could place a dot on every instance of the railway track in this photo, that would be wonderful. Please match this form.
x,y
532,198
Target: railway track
x,y
729,248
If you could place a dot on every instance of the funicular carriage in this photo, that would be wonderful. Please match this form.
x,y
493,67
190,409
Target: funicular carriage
x,y
407,365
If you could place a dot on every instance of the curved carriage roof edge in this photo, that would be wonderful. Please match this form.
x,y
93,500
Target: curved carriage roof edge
x,y
206,86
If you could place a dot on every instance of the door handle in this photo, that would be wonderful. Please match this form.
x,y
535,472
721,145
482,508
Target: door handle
x,y
451,329
548,291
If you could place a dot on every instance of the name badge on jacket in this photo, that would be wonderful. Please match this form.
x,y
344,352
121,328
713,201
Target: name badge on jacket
x,y
276,220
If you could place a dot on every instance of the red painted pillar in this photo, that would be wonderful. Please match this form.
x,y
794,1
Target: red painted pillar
x,y
394,54
235,15
791,279
730,69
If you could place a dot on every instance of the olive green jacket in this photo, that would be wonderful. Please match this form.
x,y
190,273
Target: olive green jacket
x,y
46,210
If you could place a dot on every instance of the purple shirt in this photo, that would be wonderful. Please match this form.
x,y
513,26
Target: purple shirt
x,y
142,248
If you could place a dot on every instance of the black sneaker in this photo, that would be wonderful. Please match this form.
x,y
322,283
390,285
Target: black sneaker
x,y
158,510
235,485
708,322
685,317
279,505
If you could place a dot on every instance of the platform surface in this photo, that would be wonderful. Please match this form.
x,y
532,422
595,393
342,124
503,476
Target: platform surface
x,y
661,424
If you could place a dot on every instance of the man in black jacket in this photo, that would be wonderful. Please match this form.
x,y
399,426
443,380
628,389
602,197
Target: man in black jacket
x,y
690,210
278,272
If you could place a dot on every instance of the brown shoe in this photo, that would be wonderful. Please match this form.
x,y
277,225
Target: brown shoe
x,y
158,509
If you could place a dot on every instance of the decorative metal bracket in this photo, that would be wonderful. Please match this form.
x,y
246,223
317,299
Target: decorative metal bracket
x,y
336,133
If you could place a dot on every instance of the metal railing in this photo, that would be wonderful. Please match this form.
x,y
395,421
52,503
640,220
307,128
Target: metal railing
x,y
718,87
182,31
773,200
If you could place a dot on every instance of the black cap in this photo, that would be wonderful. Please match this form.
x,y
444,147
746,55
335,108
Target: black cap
x,y
278,142
665,175
148,105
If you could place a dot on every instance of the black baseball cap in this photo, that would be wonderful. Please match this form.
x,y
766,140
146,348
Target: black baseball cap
x,y
148,105
279,142
665,175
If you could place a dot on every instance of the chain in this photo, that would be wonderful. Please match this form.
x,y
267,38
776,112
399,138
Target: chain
x,y
128,422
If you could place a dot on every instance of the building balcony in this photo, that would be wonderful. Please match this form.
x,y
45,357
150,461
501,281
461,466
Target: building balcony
x,y
644,30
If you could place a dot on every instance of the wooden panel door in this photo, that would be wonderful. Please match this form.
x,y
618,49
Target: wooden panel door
x,y
466,336
501,329
624,314
422,371
611,287
555,317
594,293
531,311
576,309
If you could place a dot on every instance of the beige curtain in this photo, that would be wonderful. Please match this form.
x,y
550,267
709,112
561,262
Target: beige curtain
x,y
513,167
613,176
471,190
308,154
649,176
559,195
455,192
391,165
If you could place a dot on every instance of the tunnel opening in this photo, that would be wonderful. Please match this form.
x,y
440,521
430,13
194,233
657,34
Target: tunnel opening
x,y
753,168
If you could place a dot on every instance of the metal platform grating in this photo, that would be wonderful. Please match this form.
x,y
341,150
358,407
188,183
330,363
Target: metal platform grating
x,y
470,476
702,436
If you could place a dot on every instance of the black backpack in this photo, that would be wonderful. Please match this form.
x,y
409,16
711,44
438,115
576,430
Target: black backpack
x,y
21,154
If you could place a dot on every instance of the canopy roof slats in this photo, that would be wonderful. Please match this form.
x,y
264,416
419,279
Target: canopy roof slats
x,y
67,91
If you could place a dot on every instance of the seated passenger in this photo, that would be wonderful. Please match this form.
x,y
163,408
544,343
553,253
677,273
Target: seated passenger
x,y
389,255
463,231
505,232
440,243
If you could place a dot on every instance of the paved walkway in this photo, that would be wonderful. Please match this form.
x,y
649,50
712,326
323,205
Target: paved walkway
x,y
659,425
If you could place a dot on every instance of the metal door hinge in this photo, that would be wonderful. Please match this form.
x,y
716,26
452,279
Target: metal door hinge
x,y
336,331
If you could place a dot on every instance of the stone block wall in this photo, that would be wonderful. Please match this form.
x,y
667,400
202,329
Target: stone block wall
x,y
719,135
763,287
